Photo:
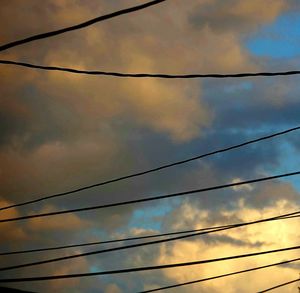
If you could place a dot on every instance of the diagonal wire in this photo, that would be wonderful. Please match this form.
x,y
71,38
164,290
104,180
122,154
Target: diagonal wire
x,y
147,268
129,238
146,243
80,25
155,169
280,285
118,240
220,276
145,199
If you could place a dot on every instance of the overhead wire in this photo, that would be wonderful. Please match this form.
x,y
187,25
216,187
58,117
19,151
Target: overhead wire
x,y
80,25
152,198
105,17
155,169
114,240
57,259
279,286
149,75
53,248
147,268
220,276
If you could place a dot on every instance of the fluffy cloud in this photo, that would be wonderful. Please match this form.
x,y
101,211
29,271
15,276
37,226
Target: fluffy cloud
x,y
60,130
264,236
70,222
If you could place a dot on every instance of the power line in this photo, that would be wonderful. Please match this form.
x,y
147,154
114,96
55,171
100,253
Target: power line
x,y
155,169
280,285
221,276
115,240
121,239
80,25
149,75
193,191
145,243
147,268
130,238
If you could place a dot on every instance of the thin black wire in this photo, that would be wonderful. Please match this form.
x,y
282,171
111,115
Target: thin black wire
x,y
126,239
221,276
280,285
113,240
193,191
148,75
155,169
145,243
80,25
147,268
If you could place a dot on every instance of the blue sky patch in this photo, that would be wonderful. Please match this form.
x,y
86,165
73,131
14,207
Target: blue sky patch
x,y
289,162
241,86
281,39
149,218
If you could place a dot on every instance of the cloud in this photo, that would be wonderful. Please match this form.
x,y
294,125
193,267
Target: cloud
x,y
246,187
112,288
63,286
236,15
270,235
70,222
11,232
68,99
60,131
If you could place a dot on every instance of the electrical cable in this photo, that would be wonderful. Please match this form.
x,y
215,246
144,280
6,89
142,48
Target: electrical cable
x,y
128,238
155,169
147,268
144,199
149,75
280,285
144,243
220,276
80,25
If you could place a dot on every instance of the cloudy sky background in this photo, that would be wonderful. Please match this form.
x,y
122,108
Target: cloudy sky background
x,y
60,131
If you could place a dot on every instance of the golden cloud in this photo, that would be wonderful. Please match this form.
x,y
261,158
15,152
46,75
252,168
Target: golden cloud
x,y
259,237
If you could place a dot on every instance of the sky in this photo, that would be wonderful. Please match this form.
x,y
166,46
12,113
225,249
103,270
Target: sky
x,y
60,131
